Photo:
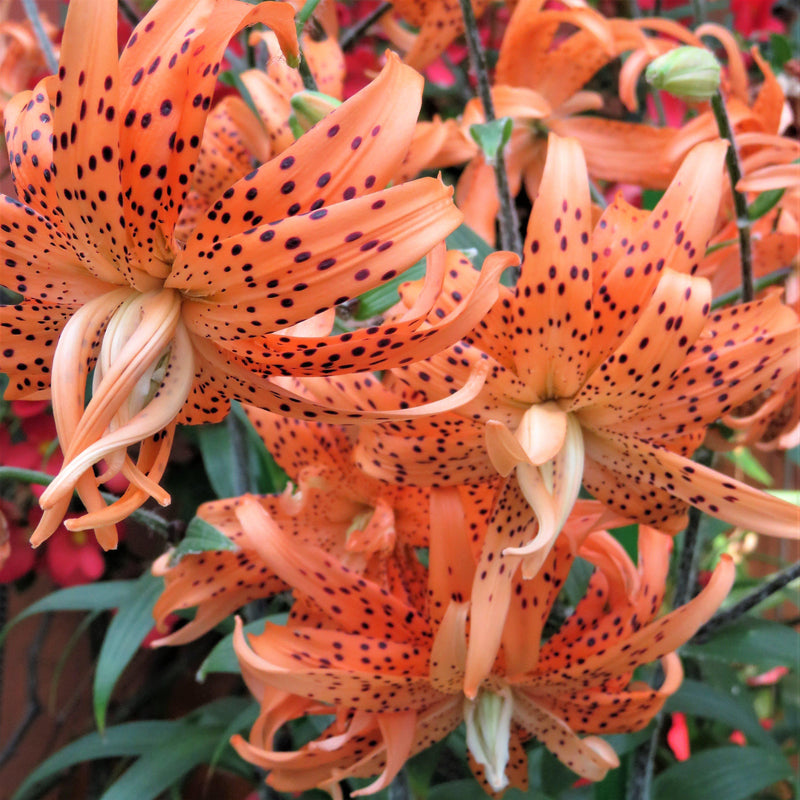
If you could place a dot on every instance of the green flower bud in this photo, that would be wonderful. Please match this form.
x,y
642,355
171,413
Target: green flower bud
x,y
309,108
690,73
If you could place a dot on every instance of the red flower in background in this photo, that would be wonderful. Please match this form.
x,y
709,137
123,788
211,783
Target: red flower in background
x,y
678,737
73,558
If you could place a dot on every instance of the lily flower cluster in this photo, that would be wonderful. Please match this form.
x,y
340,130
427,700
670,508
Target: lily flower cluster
x,y
450,460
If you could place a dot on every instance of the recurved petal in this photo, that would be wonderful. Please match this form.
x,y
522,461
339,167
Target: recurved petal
x,y
341,593
168,70
355,150
645,465
673,236
590,758
278,274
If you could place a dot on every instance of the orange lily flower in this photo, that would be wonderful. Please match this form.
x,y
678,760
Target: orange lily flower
x,y
439,23
102,157
371,527
397,680
605,367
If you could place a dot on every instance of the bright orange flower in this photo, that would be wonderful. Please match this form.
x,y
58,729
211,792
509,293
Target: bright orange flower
x,y
604,362
371,527
394,671
102,157
439,23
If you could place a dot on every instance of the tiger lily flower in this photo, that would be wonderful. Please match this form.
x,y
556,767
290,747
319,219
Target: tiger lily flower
x,y
371,527
605,365
396,681
102,157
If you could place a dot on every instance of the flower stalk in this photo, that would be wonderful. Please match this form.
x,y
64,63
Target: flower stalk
x,y
739,200
509,222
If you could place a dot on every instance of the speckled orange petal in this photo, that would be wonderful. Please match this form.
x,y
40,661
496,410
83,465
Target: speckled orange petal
x,y
232,137
38,262
649,503
590,758
725,369
710,491
29,333
326,62
512,525
398,731
281,273
86,134
674,236
274,109
29,127
554,277
626,152
640,367
609,712
439,23
529,607
436,143
362,142
295,444
168,70
300,661
320,576
446,451
450,564
529,57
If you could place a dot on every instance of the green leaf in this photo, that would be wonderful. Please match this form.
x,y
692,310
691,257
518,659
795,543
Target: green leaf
x,y
223,659
764,203
780,50
230,456
492,137
732,773
132,623
375,302
200,537
242,721
161,767
750,640
128,739
702,700
744,459
270,478
90,597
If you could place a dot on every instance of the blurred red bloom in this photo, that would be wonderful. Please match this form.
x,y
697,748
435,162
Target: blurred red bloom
x,y
678,737
74,558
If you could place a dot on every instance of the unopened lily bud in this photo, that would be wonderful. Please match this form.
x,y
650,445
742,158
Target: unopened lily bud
x,y
309,108
690,73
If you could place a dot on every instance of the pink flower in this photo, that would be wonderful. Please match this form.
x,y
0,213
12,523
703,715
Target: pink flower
x,y
737,737
73,558
35,446
678,737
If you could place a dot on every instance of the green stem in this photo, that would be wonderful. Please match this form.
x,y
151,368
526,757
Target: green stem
x,y
775,584
762,283
739,200
303,16
25,475
510,238
32,12
352,35
699,11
